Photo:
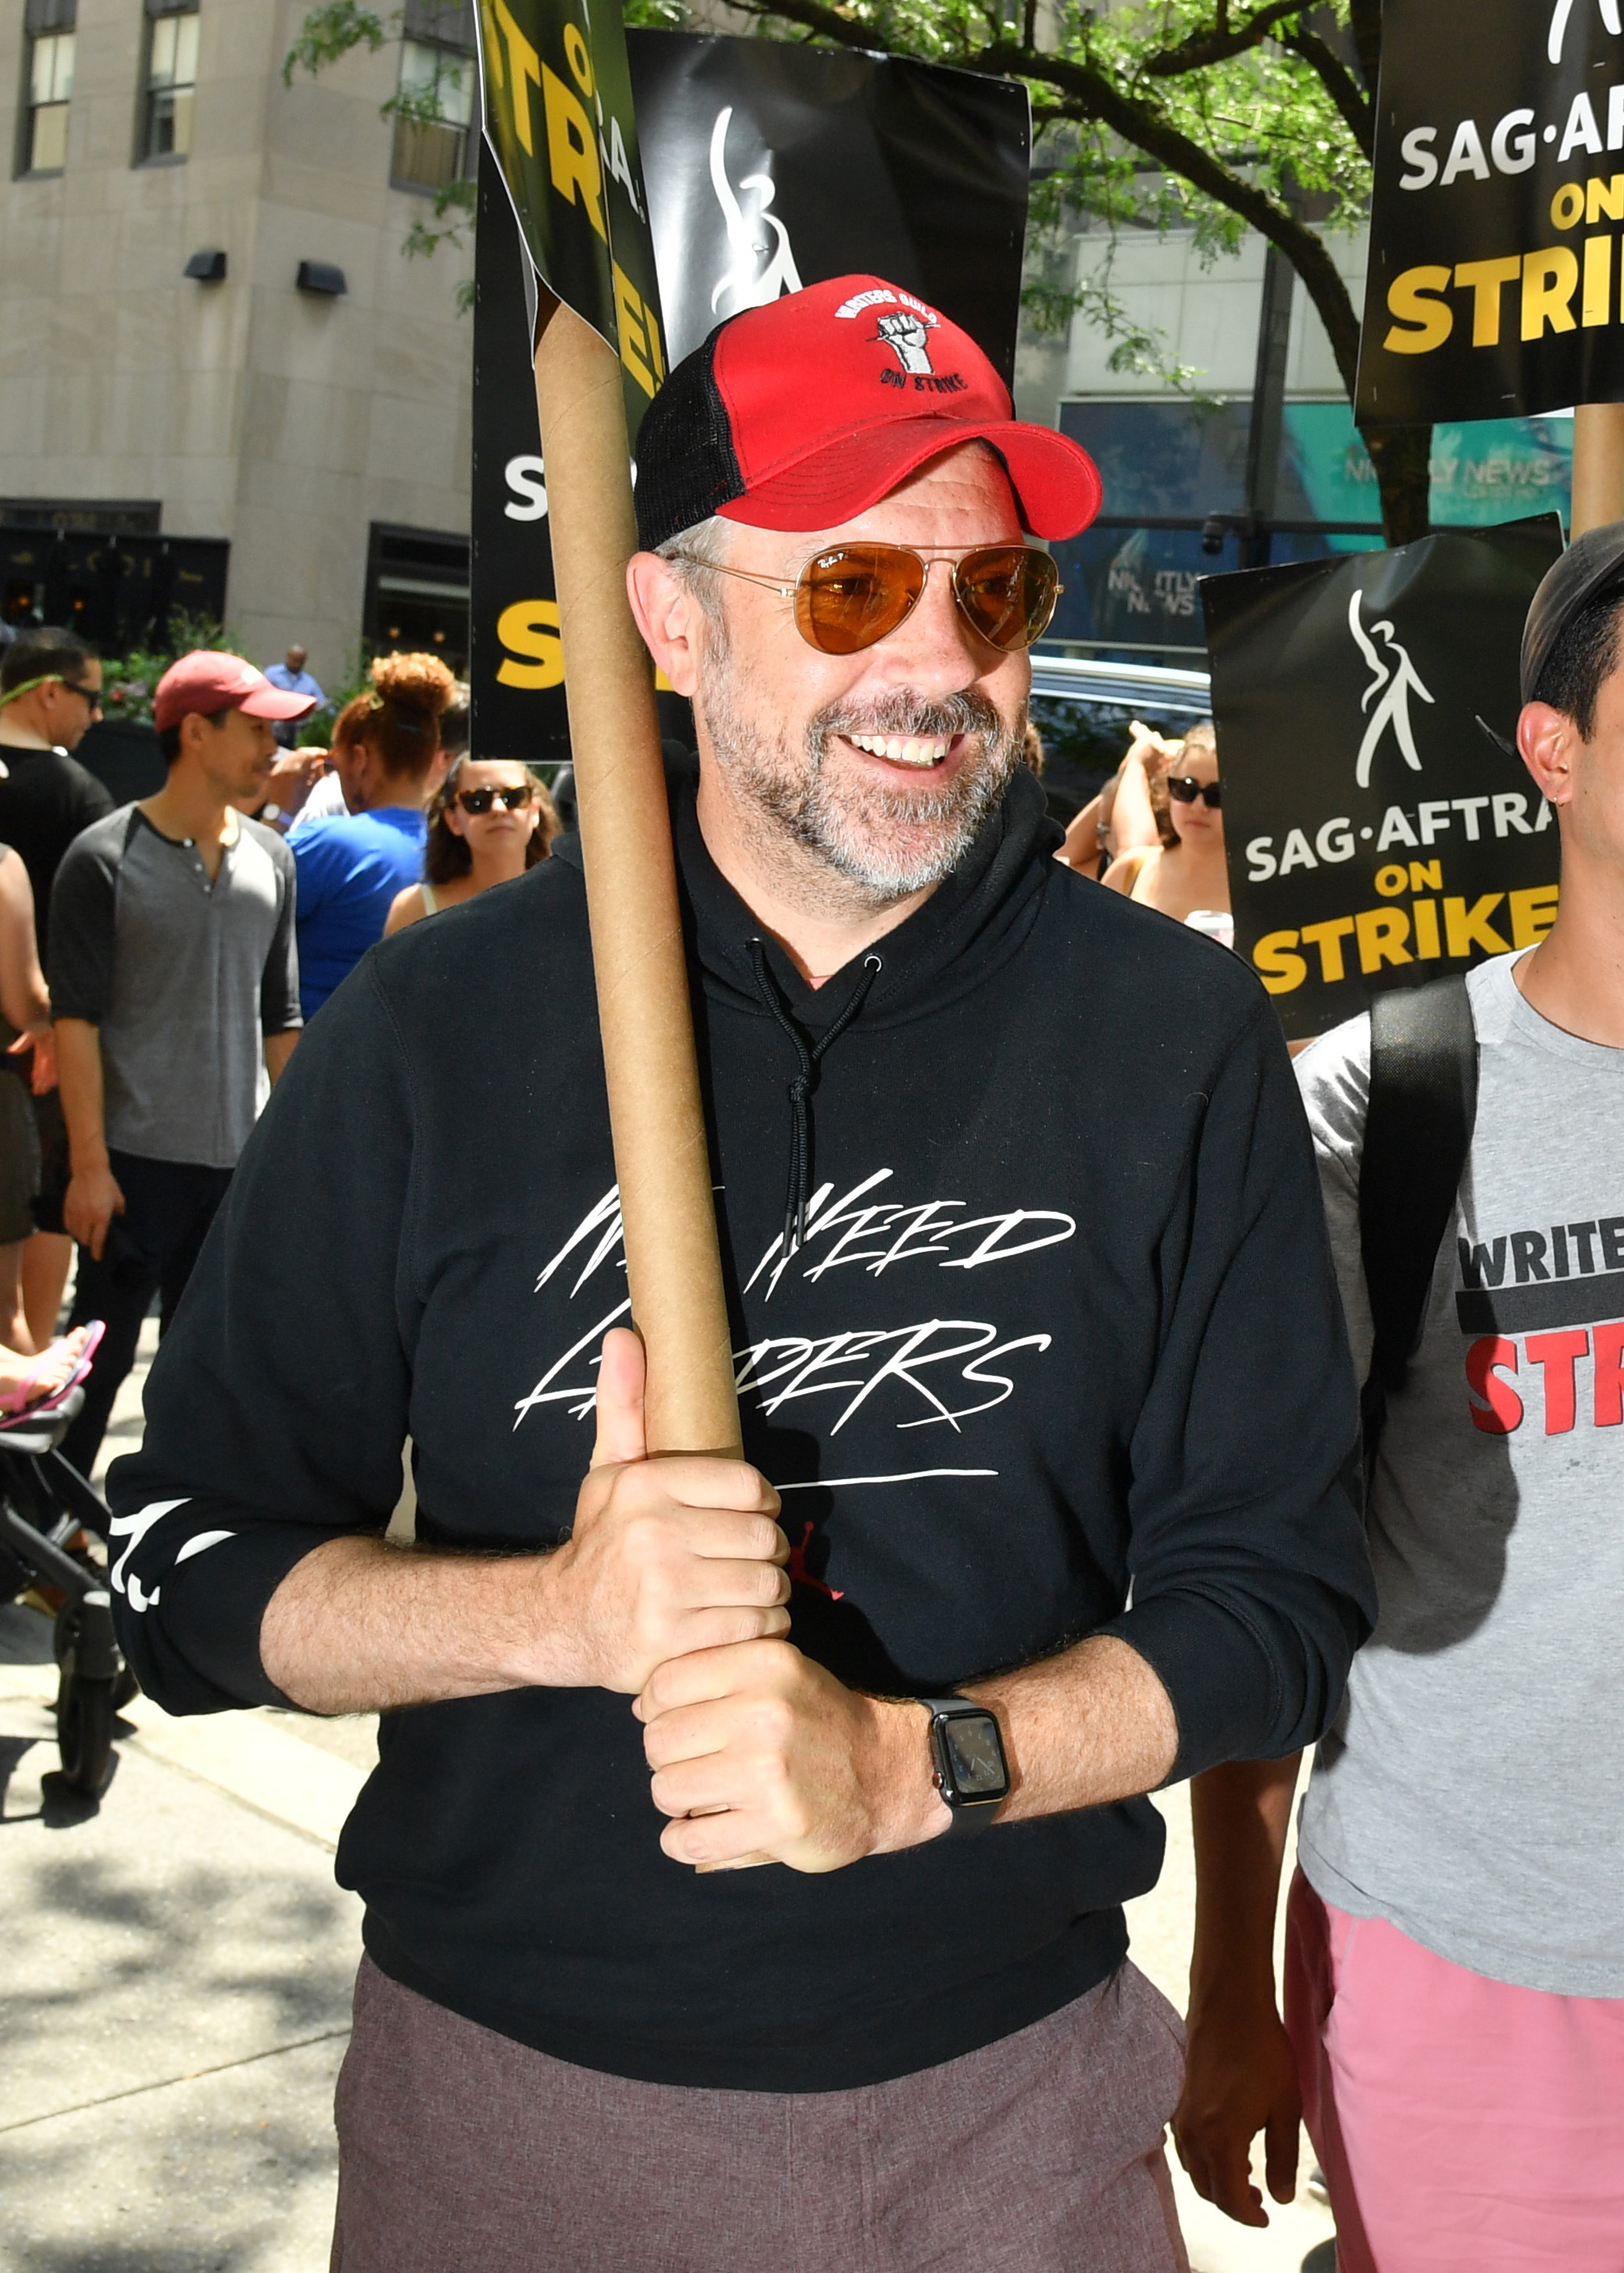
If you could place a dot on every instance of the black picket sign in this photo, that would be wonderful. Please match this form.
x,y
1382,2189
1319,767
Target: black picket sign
x,y
771,166
515,658
560,121
1496,278
1376,835
768,166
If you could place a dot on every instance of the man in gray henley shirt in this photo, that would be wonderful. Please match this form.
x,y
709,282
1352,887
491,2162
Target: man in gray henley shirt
x,y
175,991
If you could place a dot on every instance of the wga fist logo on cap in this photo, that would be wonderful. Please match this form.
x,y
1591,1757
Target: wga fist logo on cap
x,y
908,335
802,414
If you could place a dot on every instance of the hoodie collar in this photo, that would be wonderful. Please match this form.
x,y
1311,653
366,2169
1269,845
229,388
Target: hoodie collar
x,y
973,921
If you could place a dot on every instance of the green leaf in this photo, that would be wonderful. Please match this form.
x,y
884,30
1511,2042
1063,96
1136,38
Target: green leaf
x,y
330,32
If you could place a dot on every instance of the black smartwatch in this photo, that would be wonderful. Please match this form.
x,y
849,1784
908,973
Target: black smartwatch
x,y
972,1773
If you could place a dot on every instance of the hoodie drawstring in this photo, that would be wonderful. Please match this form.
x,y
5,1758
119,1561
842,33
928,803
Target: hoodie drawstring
x,y
809,1054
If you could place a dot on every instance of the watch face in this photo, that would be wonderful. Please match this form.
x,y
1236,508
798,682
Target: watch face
x,y
976,1756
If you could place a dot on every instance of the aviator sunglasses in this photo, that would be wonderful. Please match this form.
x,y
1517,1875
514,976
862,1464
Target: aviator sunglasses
x,y
1187,788
853,596
511,800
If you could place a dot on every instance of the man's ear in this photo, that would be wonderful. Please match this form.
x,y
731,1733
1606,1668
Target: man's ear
x,y
1550,743
667,616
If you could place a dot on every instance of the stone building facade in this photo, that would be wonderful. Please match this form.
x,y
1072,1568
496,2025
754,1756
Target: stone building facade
x,y
209,330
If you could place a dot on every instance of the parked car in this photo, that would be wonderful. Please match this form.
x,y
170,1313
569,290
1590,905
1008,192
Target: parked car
x,y
1082,710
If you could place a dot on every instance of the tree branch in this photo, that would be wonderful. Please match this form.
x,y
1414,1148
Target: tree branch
x,y
1359,112
1218,45
1097,99
1090,96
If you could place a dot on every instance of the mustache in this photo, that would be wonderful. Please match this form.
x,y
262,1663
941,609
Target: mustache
x,y
908,714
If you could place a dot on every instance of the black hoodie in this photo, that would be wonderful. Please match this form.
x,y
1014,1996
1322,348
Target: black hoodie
x,y
1063,1326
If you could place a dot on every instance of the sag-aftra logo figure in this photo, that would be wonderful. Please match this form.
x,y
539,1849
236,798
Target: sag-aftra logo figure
x,y
1400,678
1563,10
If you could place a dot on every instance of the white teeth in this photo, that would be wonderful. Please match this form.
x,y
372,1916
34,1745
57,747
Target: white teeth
x,y
899,752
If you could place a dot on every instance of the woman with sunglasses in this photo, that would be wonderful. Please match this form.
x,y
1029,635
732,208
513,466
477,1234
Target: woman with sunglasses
x,y
490,821
1187,879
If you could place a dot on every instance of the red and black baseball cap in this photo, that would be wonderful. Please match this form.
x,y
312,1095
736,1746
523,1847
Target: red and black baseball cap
x,y
802,414
209,681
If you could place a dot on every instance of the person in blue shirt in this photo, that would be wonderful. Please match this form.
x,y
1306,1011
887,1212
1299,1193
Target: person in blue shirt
x,y
291,676
385,749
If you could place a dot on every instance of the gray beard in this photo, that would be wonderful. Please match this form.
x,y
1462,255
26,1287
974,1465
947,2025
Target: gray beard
x,y
847,833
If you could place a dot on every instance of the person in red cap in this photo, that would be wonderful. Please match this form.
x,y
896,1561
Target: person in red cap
x,y
175,1004
1046,1408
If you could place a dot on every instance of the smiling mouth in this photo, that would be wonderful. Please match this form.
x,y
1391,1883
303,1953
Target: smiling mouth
x,y
920,751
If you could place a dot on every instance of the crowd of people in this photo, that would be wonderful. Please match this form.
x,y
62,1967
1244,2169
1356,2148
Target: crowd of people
x,y
159,961
1141,1532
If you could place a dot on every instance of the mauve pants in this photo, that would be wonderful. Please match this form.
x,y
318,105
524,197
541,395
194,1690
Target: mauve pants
x,y
461,2151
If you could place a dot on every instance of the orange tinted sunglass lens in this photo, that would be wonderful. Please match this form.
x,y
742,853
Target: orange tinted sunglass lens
x,y
851,597
1008,593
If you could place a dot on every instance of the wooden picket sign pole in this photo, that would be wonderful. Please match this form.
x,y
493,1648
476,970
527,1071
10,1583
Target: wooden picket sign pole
x,y
662,1159
1597,466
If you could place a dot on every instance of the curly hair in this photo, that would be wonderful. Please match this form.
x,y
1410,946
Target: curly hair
x,y
401,718
447,856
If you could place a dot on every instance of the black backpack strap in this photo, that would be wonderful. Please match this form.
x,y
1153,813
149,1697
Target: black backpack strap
x,y
1418,1133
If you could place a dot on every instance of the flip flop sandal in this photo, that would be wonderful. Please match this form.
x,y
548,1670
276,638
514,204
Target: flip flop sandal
x,y
18,1414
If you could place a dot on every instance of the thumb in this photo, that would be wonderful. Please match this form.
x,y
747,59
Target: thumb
x,y
23,1042
622,1372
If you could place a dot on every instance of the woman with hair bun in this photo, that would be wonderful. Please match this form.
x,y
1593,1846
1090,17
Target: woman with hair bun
x,y
351,866
492,821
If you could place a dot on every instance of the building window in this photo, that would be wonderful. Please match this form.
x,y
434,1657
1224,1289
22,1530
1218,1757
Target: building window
x,y
48,86
434,109
171,82
417,593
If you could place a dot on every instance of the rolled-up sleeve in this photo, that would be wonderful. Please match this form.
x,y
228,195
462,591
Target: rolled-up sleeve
x,y
1251,1583
274,1423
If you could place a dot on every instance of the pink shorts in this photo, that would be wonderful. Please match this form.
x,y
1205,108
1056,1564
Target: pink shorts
x,y
1462,2126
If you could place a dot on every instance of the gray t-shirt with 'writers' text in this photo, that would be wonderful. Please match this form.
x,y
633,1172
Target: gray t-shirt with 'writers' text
x,y
1472,1790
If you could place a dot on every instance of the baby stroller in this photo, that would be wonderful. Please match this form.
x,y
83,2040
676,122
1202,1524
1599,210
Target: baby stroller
x,y
46,1506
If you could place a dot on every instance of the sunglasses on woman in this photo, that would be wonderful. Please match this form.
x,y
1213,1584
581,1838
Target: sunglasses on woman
x,y
1185,789
511,800
853,596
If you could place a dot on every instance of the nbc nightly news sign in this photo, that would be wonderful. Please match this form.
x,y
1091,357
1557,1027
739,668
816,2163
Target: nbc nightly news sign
x,y
1496,278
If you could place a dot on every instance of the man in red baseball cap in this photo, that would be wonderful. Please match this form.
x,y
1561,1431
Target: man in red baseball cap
x,y
211,684
175,1004
1016,1324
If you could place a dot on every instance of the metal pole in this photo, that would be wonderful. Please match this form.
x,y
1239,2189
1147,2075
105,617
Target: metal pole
x,y
1274,340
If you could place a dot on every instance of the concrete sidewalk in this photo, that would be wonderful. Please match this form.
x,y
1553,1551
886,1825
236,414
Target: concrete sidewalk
x,y
175,1970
